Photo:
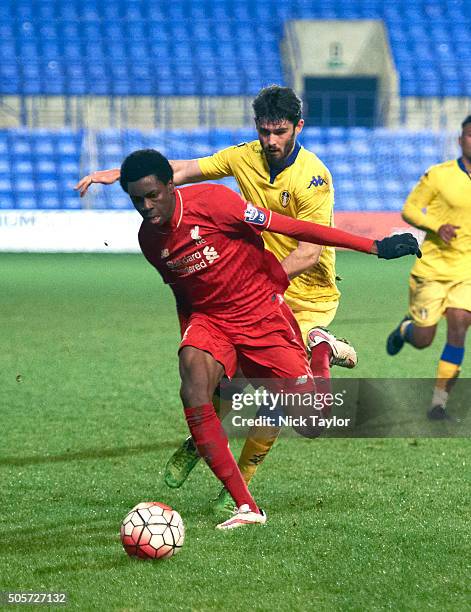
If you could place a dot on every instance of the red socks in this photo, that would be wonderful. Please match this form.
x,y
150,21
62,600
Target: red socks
x,y
320,366
211,441
320,360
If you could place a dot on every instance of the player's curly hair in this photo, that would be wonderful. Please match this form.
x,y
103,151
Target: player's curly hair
x,y
467,121
274,104
145,162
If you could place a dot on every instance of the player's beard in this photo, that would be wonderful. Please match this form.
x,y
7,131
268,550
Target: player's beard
x,y
279,160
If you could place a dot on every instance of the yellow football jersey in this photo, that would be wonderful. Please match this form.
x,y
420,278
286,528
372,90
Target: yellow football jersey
x,y
443,195
302,189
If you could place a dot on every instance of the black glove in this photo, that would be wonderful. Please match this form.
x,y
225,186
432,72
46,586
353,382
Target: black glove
x,y
398,245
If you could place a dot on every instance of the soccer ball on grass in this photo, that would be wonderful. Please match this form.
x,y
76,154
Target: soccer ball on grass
x,y
152,530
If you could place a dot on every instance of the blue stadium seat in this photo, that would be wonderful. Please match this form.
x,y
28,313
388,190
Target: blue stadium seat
x,y
5,186
44,148
49,200
111,11
22,167
349,204
46,10
118,50
69,171
452,87
72,50
372,169
5,168
8,50
7,201
71,30
25,200
7,31
216,33
9,70
116,199
372,203
70,202
50,50
20,149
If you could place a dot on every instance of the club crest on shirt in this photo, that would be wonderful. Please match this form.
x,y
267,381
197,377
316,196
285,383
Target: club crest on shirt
x,y
285,198
164,253
195,235
253,215
210,253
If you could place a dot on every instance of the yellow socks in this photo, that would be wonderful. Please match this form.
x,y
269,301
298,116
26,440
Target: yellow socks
x,y
256,447
447,373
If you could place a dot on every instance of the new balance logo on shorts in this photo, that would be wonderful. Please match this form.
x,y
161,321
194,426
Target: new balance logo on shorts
x,y
210,253
253,215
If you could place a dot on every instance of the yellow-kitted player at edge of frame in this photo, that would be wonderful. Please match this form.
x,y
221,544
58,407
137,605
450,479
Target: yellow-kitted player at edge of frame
x,y
440,282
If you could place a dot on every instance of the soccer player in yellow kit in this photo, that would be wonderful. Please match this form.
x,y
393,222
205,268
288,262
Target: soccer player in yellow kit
x,y
440,282
277,173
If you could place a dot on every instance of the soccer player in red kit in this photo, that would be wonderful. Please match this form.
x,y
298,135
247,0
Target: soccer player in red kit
x,y
205,241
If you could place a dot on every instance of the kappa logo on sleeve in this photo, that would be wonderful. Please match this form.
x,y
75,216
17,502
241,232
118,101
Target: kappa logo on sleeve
x,y
254,216
317,181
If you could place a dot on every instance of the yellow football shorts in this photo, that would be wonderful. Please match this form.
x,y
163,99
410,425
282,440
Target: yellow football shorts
x,y
311,314
429,299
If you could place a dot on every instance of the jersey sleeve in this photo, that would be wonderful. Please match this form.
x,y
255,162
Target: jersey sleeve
x,y
227,210
313,232
236,217
315,197
218,165
419,200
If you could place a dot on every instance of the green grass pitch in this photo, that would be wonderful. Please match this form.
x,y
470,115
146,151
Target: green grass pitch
x,y
90,413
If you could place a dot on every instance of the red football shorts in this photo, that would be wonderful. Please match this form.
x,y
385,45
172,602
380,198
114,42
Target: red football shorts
x,y
270,348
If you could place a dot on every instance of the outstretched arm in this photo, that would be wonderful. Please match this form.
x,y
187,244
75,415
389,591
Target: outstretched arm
x,y
104,177
387,248
184,171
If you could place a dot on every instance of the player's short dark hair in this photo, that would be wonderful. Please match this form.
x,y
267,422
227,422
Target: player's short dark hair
x,y
145,162
275,104
467,121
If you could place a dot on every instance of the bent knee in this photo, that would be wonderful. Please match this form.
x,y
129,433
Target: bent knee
x,y
423,342
193,394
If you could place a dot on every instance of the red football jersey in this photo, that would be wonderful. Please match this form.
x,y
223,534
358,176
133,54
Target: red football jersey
x,y
214,260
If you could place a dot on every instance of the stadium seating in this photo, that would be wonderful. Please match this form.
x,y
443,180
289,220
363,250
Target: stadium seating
x,y
209,47
372,169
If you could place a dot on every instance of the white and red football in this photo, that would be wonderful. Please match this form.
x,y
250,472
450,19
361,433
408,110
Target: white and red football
x,y
152,530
